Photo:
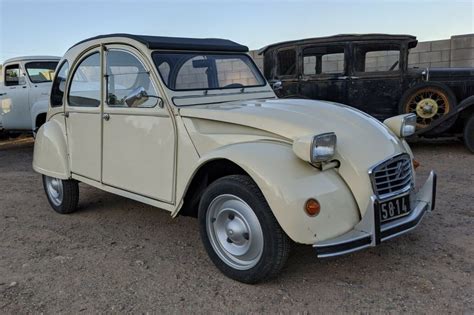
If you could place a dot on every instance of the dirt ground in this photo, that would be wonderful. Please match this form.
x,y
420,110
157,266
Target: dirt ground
x,y
117,255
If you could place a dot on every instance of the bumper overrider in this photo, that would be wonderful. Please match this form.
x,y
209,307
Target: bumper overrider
x,y
370,232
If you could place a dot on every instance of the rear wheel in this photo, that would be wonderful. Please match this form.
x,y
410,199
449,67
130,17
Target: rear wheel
x,y
239,231
429,102
468,134
63,195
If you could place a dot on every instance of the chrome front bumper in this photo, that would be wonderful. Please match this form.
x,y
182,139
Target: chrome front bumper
x,y
369,232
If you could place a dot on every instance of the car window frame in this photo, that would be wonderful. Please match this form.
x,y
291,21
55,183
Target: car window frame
x,y
279,76
126,49
47,81
58,70
76,65
344,73
162,81
394,73
4,70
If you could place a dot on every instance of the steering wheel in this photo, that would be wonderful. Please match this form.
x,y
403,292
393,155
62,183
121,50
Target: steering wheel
x,y
393,66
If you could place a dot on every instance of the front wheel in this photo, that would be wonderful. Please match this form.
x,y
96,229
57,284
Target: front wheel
x,y
63,195
239,231
468,134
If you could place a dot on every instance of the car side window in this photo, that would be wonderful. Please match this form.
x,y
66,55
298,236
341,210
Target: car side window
x,y
286,62
323,60
12,75
126,75
377,58
85,86
57,90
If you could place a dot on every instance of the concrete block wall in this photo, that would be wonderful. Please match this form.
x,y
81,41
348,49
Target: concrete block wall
x,y
457,51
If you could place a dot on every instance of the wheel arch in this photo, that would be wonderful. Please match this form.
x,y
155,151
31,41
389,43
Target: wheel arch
x,y
50,156
207,172
286,182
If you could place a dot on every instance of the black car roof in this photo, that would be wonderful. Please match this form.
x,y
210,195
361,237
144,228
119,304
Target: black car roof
x,y
343,38
179,43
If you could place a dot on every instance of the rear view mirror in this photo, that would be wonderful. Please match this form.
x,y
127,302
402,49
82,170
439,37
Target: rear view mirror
x,y
201,63
139,96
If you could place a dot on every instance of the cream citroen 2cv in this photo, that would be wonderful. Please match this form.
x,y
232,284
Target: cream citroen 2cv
x,y
192,127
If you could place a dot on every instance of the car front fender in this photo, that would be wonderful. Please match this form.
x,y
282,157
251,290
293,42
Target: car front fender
x,y
50,153
287,182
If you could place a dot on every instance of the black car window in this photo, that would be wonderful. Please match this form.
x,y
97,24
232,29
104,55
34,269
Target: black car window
x,y
377,58
323,60
286,62
57,90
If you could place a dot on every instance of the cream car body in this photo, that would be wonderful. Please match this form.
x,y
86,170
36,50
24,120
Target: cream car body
x,y
162,155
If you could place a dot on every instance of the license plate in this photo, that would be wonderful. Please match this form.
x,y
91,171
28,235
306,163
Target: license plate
x,y
394,208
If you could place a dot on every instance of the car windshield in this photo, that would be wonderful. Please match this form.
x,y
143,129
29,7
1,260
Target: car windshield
x,y
207,71
41,71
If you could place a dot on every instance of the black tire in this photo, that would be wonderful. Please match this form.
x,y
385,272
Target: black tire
x,y
444,91
14,135
276,244
468,133
70,195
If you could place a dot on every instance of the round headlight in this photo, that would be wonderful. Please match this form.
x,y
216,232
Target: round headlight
x,y
324,147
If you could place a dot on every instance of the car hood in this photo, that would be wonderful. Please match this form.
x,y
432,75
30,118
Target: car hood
x,y
362,141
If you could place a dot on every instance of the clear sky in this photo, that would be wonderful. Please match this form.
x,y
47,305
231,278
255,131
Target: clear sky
x,y
50,27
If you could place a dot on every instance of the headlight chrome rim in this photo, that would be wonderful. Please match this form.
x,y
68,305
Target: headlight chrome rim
x,y
325,142
408,126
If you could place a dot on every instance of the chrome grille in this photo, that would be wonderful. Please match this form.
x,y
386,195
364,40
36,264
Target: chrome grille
x,y
393,176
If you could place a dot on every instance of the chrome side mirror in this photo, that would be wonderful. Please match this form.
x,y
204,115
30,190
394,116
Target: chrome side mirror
x,y
22,80
137,97
276,85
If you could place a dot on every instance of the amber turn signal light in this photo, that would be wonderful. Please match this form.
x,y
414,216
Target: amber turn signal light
x,y
312,207
416,164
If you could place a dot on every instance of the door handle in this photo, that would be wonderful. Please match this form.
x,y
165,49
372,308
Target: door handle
x,y
1,94
66,114
354,78
106,117
343,77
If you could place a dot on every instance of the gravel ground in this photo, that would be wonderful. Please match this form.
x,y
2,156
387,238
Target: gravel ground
x,y
117,255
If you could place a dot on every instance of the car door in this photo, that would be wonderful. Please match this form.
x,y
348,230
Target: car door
x,y
375,85
14,103
138,132
324,73
84,120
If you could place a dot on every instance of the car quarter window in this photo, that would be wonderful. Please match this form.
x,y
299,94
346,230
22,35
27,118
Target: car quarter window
x,y
85,86
377,57
286,62
12,75
323,60
57,90
126,75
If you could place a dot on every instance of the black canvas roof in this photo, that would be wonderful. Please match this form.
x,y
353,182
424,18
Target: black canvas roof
x,y
179,43
344,37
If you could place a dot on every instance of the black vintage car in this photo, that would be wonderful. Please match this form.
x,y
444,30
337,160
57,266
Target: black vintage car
x,y
371,73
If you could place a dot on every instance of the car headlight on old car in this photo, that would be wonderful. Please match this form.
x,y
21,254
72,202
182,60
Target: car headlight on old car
x,y
316,149
402,125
